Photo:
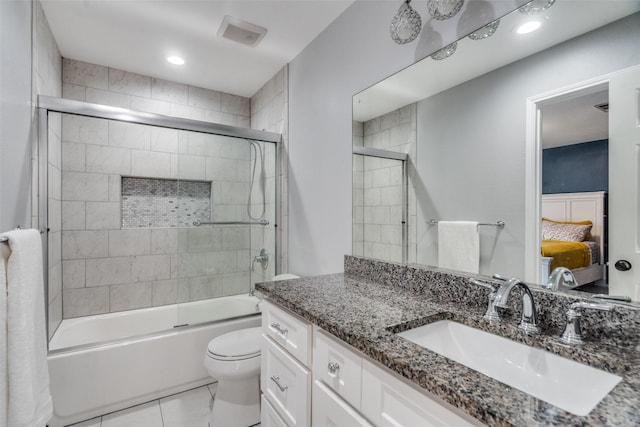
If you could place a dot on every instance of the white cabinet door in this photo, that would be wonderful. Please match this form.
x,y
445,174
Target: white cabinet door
x,y
268,416
338,367
291,332
286,384
389,402
331,411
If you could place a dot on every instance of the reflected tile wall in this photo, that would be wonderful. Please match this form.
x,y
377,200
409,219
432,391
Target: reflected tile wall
x,y
381,195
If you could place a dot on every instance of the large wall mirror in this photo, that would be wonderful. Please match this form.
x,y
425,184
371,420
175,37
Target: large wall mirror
x,y
510,129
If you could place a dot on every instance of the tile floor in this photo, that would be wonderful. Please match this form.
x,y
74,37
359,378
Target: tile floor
x,y
186,409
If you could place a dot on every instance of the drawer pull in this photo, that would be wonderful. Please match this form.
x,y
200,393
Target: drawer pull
x,y
333,367
280,329
277,381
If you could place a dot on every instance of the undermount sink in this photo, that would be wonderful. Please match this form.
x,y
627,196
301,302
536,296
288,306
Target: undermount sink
x,y
569,385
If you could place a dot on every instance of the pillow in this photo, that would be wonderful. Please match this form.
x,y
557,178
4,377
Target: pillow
x,y
569,231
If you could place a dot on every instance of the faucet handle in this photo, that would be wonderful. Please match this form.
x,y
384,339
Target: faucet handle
x,y
572,334
483,284
491,314
499,277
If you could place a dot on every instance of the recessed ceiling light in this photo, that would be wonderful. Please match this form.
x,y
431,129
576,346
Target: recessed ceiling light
x,y
176,60
528,27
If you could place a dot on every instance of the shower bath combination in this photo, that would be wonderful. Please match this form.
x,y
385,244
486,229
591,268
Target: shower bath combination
x,y
175,262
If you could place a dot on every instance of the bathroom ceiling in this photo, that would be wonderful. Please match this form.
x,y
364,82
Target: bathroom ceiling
x,y
138,35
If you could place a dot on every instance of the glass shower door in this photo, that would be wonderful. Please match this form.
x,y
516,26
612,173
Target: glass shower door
x,y
219,237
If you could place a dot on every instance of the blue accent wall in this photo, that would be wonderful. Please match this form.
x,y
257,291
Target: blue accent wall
x,y
576,168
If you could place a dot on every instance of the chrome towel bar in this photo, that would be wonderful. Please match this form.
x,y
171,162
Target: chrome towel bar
x,y
259,222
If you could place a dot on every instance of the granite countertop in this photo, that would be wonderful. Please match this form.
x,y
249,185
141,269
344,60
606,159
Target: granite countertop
x,y
367,315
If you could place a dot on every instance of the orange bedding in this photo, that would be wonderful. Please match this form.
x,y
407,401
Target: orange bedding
x,y
566,254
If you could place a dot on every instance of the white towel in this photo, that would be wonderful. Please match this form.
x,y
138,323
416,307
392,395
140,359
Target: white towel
x,y
29,402
459,246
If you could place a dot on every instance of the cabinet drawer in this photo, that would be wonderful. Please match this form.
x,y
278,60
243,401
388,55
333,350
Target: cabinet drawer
x,y
338,367
289,331
268,416
329,410
388,402
286,384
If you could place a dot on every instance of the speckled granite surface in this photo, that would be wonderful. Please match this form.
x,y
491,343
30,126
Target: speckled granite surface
x,y
372,300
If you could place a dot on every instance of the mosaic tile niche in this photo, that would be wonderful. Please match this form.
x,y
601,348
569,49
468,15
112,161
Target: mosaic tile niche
x,y
151,202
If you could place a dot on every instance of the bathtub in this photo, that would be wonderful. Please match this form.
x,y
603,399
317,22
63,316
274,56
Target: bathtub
x,y
105,363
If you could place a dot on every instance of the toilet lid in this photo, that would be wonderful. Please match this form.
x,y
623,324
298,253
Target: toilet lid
x,y
240,344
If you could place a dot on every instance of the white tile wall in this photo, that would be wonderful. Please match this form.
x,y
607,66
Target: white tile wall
x,y
106,268
108,271
270,111
102,215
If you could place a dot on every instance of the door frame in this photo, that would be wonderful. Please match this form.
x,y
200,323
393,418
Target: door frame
x,y
533,165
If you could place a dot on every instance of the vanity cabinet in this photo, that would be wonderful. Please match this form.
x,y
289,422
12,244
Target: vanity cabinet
x,y
343,388
388,401
269,416
285,377
329,410
338,367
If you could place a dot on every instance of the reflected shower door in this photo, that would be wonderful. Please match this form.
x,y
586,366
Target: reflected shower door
x,y
379,208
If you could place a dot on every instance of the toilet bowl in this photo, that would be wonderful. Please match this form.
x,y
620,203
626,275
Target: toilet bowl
x,y
234,360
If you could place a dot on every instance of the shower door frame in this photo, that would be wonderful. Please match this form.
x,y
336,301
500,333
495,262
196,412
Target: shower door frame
x,y
393,155
48,104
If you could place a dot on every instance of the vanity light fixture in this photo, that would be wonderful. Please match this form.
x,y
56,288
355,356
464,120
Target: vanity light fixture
x,y
175,60
486,31
528,27
536,6
445,52
444,9
406,24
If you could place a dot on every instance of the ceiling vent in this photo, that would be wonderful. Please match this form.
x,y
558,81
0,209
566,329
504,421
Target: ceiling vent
x,y
240,31
603,107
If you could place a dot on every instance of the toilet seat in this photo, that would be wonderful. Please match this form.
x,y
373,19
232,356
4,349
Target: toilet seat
x,y
237,345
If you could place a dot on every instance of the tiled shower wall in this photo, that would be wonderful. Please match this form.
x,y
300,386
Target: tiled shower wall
x,y
269,111
108,86
106,268
381,199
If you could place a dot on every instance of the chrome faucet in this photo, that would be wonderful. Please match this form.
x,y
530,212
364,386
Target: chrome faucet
x,y
491,314
572,334
560,278
529,322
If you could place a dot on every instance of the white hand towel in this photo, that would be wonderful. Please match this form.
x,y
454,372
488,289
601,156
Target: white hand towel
x,y
459,246
29,397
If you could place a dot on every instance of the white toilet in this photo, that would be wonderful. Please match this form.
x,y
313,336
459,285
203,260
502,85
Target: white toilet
x,y
234,360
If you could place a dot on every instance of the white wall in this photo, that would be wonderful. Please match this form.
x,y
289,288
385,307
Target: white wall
x,y
15,114
354,52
